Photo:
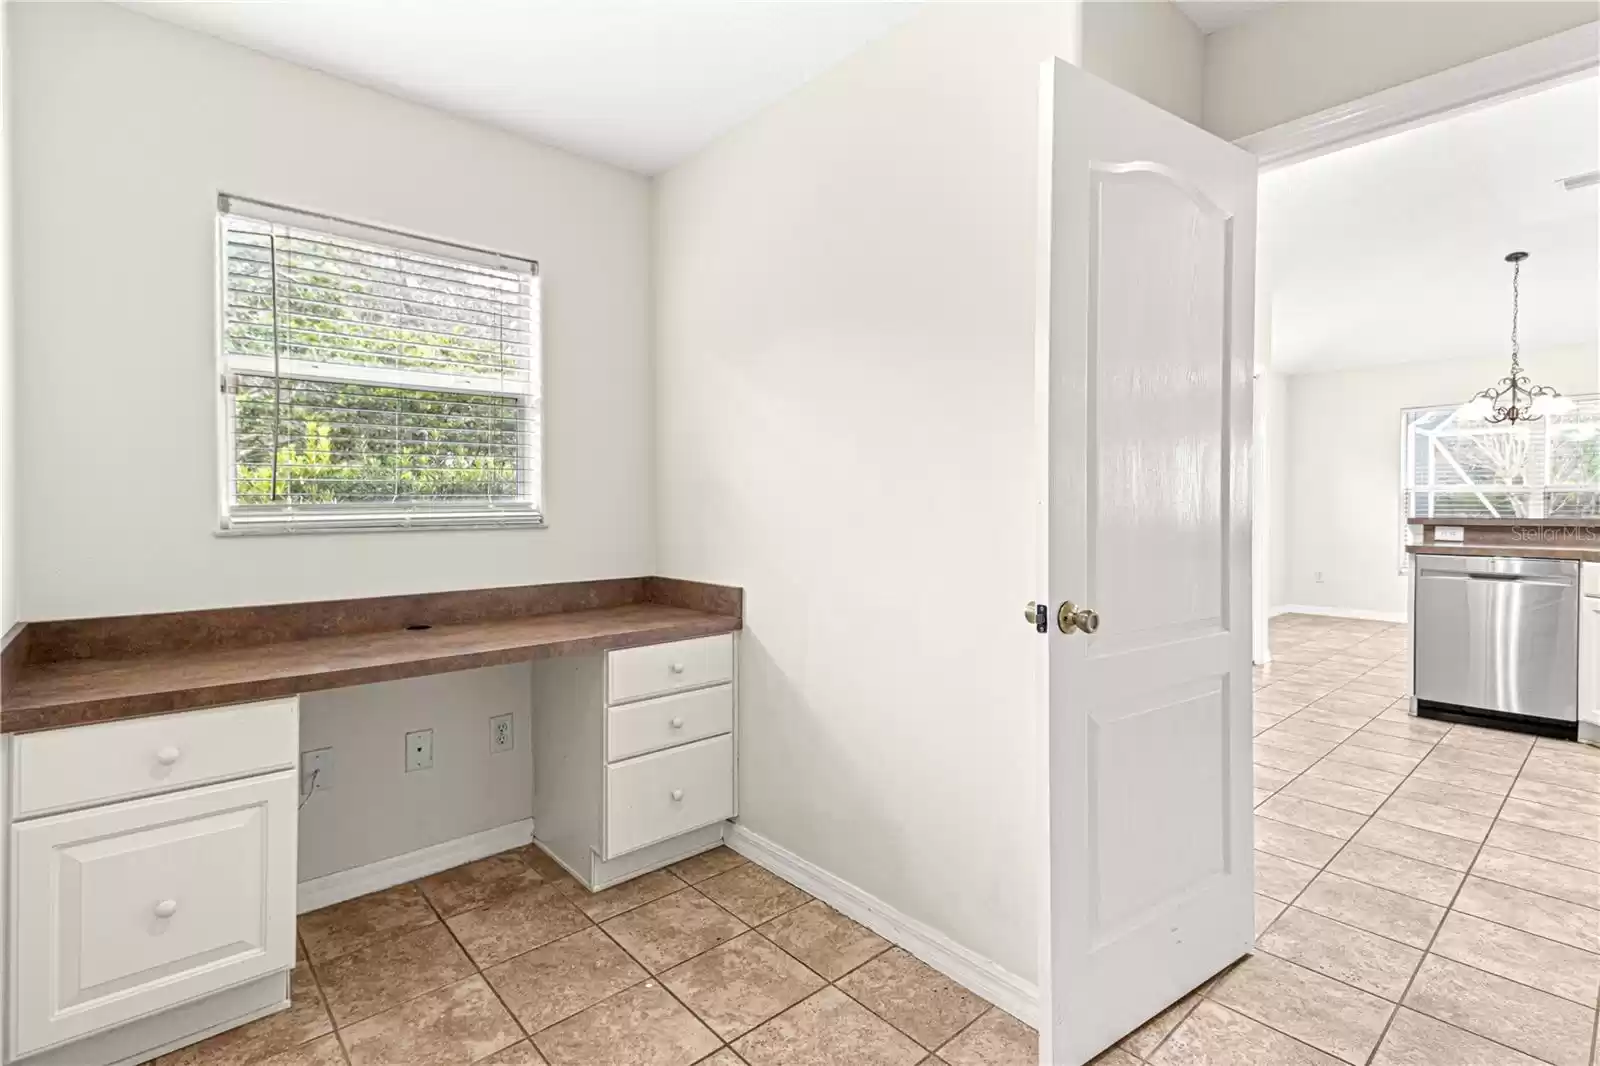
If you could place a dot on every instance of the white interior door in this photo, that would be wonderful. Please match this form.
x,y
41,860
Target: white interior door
x,y
1145,363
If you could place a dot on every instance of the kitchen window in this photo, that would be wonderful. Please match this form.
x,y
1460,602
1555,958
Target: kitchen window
x,y
373,380
1455,466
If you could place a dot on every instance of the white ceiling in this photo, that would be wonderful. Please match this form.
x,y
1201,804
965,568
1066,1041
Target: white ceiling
x,y
1392,251
1213,15
637,83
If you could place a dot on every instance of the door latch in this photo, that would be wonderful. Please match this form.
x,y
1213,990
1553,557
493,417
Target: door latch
x,y
1039,616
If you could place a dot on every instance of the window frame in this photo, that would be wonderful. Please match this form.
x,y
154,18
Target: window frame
x,y
526,512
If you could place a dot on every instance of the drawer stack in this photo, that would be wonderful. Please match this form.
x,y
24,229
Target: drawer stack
x,y
152,863
669,741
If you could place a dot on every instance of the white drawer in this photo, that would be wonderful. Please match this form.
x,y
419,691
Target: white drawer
x,y
650,725
1590,576
139,906
658,796
636,673
80,766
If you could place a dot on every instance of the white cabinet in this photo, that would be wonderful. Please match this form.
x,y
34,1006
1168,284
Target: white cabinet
x,y
634,756
124,908
1589,656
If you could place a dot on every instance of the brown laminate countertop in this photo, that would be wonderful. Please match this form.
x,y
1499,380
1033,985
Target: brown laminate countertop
x,y
1469,523
74,685
1520,551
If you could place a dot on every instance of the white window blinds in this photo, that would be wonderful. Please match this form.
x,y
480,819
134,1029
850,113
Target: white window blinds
x,y
372,379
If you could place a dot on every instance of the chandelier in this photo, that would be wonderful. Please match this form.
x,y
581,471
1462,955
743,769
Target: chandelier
x,y
1515,398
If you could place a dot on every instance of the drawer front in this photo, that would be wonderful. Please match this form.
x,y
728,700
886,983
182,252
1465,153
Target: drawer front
x,y
85,765
652,725
658,796
637,673
136,907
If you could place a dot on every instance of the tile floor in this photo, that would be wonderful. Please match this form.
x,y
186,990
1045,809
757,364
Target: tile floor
x,y
509,962
1427,895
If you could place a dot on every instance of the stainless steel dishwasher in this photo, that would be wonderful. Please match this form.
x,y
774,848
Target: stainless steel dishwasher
x,y
1498,636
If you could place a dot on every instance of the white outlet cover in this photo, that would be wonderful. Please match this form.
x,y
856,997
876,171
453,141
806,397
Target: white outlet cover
x,y
502,733
319,761
419,750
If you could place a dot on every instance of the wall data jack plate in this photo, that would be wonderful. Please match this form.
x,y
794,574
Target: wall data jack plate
x,y
419,750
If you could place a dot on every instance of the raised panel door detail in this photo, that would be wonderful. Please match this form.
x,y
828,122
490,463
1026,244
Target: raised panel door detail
x,y
133,908
1158,406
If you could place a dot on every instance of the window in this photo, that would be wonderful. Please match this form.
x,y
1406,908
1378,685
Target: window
x,y
373,380
1460,467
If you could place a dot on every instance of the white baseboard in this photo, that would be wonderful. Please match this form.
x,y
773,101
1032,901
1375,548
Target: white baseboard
x,y
386,873
987,978
1342,612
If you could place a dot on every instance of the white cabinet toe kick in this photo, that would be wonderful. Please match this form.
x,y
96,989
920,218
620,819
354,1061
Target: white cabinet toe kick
x,y
151,881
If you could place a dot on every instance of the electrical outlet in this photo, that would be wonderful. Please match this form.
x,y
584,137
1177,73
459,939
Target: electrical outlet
x,y
316,770
1449,534
501,737
419,750
1317,577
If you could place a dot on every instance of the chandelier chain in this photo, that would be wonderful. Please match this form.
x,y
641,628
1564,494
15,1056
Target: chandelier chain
x,y
1516,349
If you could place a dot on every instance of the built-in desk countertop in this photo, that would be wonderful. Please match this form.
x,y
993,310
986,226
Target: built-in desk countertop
x,y
55,674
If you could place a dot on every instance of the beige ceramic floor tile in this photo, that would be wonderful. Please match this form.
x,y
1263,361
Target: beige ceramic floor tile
x,y
1333,1017
1556,796
1385,869
1281,879
1366,960
719,860
1268,778
736,986
1447,851
824,939
625,897
643,1026
474,884
1532,960
1317,817
1476,758
1349,773
1445,794
1292,842
549,984
1537,1023
1376,910
828,1029
1536,875
527,918
913,997
1418,1040
389,972
1113,1057
1554,819
1371,757
996,1039
1543,915
343,927
1143,1041
305,1020
1465,776
673,929
1267,911
322,1052
726,1057
752,894
1543,844
520,1054
1212,1035
1335,794
463,1023
1287,740
1556,771
1381,741
1281,758
1433,818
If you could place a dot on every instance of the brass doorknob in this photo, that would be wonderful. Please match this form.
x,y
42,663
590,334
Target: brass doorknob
x,y
1071,617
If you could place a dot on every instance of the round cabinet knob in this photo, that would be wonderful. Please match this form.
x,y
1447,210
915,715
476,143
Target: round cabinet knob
x,y
677,794
166,908
676,723
168,755
677,668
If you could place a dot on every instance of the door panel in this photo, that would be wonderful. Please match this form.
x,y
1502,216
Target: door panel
x,y
1144,369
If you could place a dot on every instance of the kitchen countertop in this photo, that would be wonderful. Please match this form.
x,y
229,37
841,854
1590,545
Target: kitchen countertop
x,y
96,670
1468,523
1521,551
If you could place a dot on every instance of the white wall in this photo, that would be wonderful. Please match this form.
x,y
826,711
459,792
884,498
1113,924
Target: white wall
x,y
126,128
1343,470
1296,59
375,809
8,370
1273,388
845,302
1151,49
